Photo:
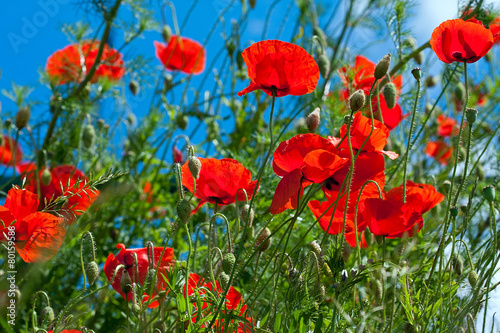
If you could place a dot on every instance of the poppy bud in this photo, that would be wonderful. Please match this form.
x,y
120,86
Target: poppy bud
x,y
382,67
247,213
460,91
457,263
252,3
346,251
166,33
261,243
453,211
357,100
473,278
324,65
184,210
224,280
489,193
417,73
390,95
228,263
194,166
150,279
136,309
182,121
312,120
22,117
471,115
88,136
92,272
409,328
126,282
134,87
48,314
431,81
318,32
46,177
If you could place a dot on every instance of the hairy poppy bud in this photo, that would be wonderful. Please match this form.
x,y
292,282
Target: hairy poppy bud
x,y
312,120
150,279
489,193
460,91
182,121
473,278
134,87
471,115
228,263
48,314
46,177
261,243
184,210
324,65
409,328
22,117
92,271
390,95
447,185
247,214
457,263
126,282
194,166
166,33
320,34
431,81
357,100
453,211
88,136
417,73
382,67
224,280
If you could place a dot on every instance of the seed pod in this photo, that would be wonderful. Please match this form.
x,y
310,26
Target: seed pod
x,y
247,213
46,177
489,193
166,33
324,65
357,100
473,278
125,282
134,87
261,243
194,166
390,95
92,271
224,280
471,115
22,117
382,67
457,263
228,263
88,136
417,73
454,211
312,120
48,314
184,210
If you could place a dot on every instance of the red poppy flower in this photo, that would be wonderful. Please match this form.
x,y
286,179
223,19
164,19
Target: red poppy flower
x,y
7,151
38,235
446,126
301,161
439,150
177,155
391,218
368,166
286,67
361,76
495,30
125,257
73,183
72,63
459,40
422,197
219,181
360,131
181,54
234,301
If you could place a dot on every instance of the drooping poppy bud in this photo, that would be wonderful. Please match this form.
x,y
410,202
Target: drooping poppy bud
x,y
228,262
166,33
390,95
224,280
184,210
46,177
489,193
312,120
92,271
457,263
473,278
88,136
320,34
324,65
194,166
261,243
357,100
382,67
48,314
247,214
126,282
150,279
22,117
134,87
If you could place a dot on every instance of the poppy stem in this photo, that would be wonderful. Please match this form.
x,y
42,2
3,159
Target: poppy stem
x,y
408,146
190,246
